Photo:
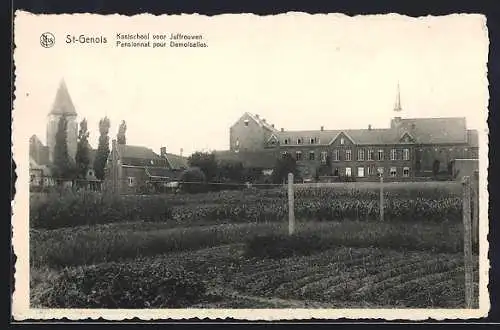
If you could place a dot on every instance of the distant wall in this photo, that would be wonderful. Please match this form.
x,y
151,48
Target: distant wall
x,y
465,167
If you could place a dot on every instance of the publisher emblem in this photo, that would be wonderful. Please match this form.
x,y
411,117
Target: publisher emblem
x,y
47,40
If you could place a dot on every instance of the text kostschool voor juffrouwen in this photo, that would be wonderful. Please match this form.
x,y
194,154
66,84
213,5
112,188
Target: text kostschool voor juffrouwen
x,y
142,40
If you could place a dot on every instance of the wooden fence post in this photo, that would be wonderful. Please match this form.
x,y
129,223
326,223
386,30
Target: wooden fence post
x,y
291,214
381,208
466,213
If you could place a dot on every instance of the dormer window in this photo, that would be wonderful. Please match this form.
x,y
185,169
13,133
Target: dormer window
x,y
313,140
285,141
299,141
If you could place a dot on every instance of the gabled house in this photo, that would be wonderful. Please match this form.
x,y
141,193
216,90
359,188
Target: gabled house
x,y
136,169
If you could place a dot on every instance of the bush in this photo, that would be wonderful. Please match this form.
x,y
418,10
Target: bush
x,y
193,180
84,208
130,285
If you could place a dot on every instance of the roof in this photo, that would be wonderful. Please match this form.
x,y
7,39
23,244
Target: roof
x,y
177,162
359,136
63,105
435,130
128,151
260,121
265,159
422,130
162,173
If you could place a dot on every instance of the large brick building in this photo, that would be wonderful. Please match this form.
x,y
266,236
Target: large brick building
x,y
410,148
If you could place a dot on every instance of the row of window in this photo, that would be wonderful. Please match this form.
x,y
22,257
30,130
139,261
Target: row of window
x,y
370,155
370,170
314,140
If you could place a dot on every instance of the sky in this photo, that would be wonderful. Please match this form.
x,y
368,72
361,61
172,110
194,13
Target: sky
x,y
298,71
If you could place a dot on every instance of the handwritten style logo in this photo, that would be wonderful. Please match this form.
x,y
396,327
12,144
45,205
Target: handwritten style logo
x,y
47,40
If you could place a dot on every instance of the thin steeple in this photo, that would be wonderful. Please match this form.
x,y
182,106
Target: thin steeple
x,y
397,104
63,105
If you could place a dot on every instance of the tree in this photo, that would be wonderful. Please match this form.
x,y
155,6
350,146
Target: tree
x,y
82,157
206,162
283,166
120,138
193,180
232,171
63,168
326,168
102,149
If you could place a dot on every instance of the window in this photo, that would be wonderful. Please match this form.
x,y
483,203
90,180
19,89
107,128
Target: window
x,y
335,171
323,157
406,171
313,141
283,155
380,155
335,155
393,171
361,172
361,154
312,155
286,141
237,143
298,155
406,154
348,171
131,181
246,123
299,141
348,155
393,154
370,170
370,154
342,141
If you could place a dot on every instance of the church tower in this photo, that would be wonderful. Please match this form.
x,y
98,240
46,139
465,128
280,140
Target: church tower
x,y
63,106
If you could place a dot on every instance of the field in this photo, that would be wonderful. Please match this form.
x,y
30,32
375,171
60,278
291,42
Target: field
x,y
231,249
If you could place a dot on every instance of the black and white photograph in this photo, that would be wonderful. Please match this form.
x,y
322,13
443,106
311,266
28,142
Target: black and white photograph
x,y
250,167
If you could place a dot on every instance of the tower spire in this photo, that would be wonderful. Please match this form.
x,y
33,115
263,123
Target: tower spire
x,y
397,104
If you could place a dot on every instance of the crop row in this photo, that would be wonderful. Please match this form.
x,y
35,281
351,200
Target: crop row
x,y
417,280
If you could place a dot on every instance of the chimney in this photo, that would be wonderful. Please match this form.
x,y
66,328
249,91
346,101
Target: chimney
x,y
282,129
272,125
322,128
163,151
264,120
369,127
257,116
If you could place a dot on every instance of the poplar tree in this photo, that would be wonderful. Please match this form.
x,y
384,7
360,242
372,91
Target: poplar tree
x,y
62,163
82,157
102,149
